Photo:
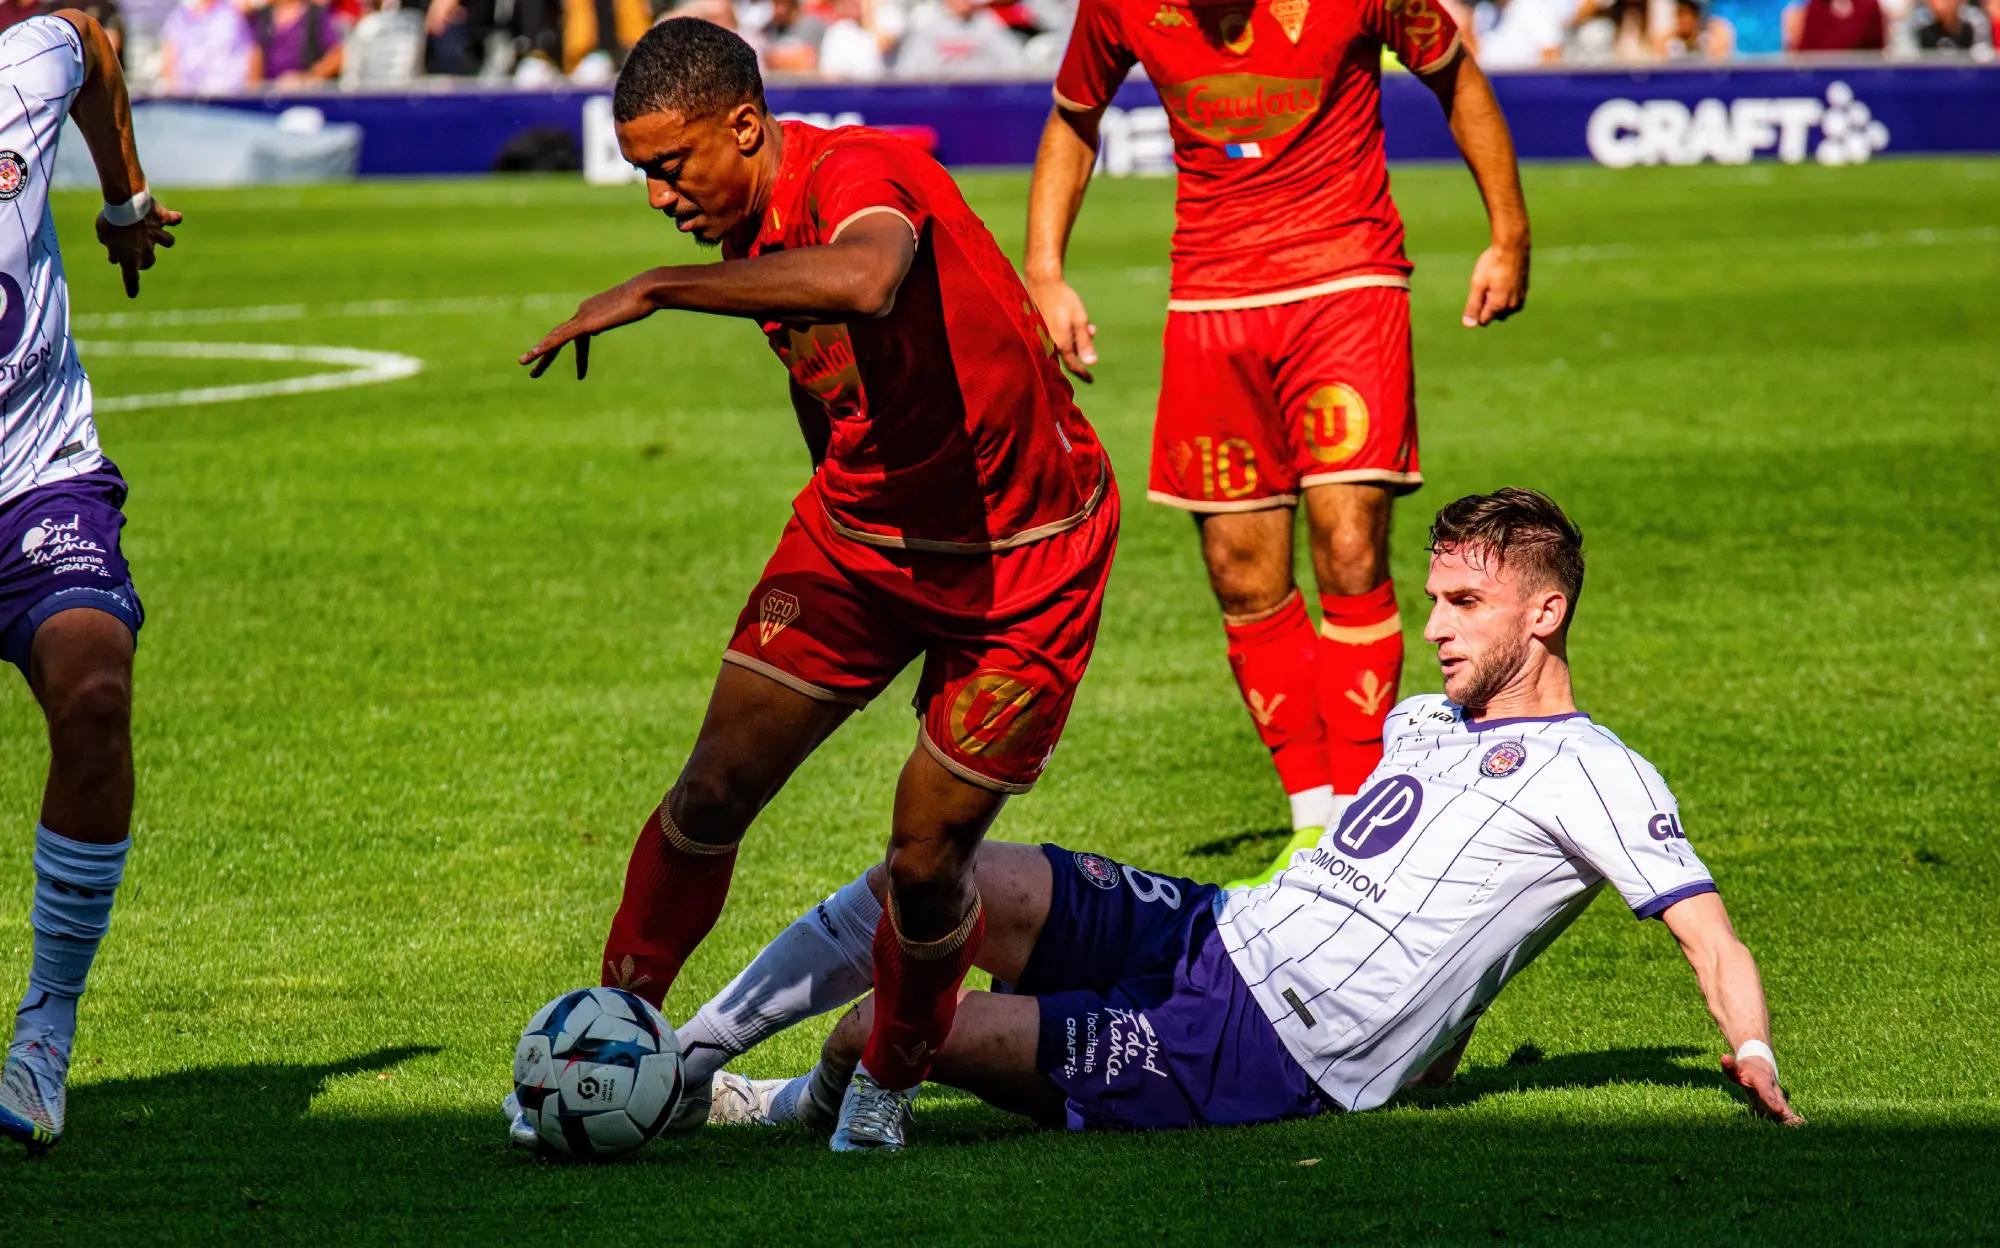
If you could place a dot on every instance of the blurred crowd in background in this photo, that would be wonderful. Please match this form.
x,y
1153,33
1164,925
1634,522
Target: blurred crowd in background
x,y
219,47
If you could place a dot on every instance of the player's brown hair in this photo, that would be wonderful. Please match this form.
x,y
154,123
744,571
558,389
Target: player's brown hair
x,y
1517,528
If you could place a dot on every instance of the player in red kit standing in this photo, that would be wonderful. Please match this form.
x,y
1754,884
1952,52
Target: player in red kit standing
x,y
961,510
1287,373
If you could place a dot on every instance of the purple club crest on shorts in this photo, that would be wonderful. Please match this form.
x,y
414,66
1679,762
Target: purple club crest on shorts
x,y
1503,759
1099,870
13,175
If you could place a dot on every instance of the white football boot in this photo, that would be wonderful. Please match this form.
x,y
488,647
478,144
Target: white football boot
x,y
873,1118
520,1132
33,1095
741,1102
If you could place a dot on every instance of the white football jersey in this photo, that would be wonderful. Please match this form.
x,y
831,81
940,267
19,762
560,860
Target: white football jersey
x,y
1467,851
46,433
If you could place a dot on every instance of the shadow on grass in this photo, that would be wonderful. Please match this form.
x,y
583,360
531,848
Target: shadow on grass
x,y
1629,1145
1674,1066
1267,839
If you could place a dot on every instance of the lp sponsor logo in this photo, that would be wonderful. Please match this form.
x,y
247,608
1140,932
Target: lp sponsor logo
x,y
1839,130
1376,820
1665,827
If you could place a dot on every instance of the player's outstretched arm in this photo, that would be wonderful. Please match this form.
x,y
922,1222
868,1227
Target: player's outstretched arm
x,y
854,277
1062,173
132,225
1500,276
1735,995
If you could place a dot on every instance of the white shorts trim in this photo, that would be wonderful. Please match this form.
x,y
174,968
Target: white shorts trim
x,y
1364,476
1362,281
1205,507
965,773
797,684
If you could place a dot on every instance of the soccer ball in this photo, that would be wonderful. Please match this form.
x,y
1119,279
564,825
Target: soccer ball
x,y
597,1072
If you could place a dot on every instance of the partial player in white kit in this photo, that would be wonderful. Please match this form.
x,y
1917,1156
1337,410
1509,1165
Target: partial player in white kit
x,y
69,615
1137,1000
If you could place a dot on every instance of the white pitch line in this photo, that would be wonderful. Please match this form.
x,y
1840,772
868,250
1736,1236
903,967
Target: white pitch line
x,y
356,368
266,312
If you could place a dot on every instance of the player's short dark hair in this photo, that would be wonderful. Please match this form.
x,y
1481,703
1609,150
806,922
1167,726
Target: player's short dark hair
x,y
687,66
1521,529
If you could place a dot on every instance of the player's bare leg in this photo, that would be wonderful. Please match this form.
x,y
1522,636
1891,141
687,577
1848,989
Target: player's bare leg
x,y
931,931
1360,655
80,668
992,1054
81,672
824,960
754,736
1272,652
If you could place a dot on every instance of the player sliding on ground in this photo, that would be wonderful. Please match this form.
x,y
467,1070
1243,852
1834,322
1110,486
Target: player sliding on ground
x,y
1287,373
1142,1000
69,617
961,510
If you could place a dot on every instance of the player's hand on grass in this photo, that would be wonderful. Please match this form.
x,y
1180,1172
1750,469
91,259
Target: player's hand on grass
x,y
1499,286
1069,325
1760,1079
621,305
131,247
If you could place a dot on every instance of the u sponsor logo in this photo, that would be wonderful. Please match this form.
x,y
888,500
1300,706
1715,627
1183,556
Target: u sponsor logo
x,y
1336,422
996,715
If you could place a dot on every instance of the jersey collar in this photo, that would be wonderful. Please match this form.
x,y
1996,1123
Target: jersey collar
x,y
1518,719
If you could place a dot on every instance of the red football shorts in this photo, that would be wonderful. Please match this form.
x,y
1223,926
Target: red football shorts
x,y
1257,403
1005,636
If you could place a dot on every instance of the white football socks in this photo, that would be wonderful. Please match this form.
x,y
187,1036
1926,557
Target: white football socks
x,y
823,960
812,1098
1312,808
75,883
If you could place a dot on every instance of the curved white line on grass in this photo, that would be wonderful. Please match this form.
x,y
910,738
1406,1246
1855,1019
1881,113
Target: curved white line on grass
x,y
355,368
262,313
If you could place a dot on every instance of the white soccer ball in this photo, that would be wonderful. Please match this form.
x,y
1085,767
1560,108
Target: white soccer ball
x,y
597,1072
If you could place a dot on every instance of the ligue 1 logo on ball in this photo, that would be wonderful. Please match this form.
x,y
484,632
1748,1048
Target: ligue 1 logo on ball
x,y
13,175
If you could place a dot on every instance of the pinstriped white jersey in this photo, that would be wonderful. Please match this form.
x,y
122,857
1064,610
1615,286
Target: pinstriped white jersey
x,y
1468,850
46,433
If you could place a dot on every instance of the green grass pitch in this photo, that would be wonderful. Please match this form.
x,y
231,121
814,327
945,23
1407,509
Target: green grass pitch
x,y
422,653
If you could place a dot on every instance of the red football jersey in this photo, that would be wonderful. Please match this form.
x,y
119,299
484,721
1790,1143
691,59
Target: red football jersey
x,y
950,426
1275,108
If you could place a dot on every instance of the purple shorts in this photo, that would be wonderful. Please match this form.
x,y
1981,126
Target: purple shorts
x,y
1145,1022
58,550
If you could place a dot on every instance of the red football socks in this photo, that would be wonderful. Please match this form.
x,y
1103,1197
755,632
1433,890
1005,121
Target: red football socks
x,y
674,890
916,996
1360,659
1273,660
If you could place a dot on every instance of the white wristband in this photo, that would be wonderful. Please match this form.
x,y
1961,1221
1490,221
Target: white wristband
x,y
1757,1048
132,211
